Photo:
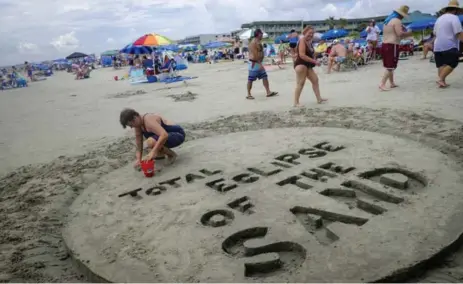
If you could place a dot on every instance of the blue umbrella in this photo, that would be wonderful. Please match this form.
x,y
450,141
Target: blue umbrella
x,y
169,47
422,25
215,44
131,49
333,34
282,39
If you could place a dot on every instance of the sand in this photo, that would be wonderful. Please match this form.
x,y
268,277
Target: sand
x,y
72,128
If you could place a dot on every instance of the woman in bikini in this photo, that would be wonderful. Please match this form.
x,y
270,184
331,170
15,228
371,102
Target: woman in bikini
x,y
304,64
161,135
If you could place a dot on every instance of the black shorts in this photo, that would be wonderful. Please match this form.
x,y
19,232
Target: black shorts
x,y
293,44
237,50
449,57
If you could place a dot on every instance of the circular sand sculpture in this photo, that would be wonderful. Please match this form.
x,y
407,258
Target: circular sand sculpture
x,y
279,205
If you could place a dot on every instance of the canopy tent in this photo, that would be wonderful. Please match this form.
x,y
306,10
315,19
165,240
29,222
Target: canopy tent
x,y
110,52
333,34
248,34
76,55
364,34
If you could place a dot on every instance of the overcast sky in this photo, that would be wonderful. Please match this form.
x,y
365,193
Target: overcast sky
x,y
36,30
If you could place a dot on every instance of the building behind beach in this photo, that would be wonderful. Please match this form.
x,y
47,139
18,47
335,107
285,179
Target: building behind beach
x,y
199,39
276,28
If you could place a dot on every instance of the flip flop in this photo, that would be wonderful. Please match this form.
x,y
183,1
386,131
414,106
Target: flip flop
x,y
250,98
272,94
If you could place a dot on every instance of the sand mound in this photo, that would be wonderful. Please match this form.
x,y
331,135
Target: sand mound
x,y
34,199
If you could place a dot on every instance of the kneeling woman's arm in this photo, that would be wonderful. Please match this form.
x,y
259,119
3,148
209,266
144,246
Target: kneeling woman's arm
x,y
154,126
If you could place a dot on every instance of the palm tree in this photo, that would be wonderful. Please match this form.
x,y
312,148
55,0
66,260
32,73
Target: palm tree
x,y
342,23
361,27
331,22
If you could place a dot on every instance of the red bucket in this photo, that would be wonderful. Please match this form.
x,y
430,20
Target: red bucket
x,y
148,168
116,78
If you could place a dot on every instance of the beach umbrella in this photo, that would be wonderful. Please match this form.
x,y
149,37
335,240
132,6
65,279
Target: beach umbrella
x,y
248,34
110,52
333,34
131,49
152,40
216,44
76,55
282,39
170,47
422,25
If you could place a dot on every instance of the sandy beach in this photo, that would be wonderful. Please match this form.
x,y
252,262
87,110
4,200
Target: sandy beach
x,y
60,135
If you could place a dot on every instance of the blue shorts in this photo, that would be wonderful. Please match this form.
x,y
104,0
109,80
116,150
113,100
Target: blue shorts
x,y
340,59
256,71
175,136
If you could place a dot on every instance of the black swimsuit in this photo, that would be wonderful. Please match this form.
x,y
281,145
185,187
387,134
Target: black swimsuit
x,y
176,134
309,51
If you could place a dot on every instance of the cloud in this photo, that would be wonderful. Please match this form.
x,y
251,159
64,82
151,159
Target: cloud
x,y
87,24
27,48
66,42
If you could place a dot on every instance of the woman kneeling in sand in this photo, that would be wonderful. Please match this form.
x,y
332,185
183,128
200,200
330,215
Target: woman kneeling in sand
x,y
161,135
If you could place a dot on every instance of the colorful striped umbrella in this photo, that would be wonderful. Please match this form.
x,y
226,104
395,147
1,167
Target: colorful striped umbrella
x,y
152,40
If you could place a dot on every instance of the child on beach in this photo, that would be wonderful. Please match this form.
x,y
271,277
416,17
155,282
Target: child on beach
x,y
161,135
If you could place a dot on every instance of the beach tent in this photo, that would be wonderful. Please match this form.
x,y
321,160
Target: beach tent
x,y
333,34
76,55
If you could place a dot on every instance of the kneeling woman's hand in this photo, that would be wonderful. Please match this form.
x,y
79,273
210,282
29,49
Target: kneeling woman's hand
x,y
136,164
149,157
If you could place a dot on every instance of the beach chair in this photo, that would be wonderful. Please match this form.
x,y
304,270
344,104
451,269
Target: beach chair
x,y
137,76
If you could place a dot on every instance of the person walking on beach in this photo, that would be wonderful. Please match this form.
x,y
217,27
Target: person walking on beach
x,y
256,69
304,64
372,37
161,135
449,33
393,32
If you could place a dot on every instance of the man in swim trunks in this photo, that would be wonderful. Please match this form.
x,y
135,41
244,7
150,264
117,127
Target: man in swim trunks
x,y
256,69
161,135
393,32
338,55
